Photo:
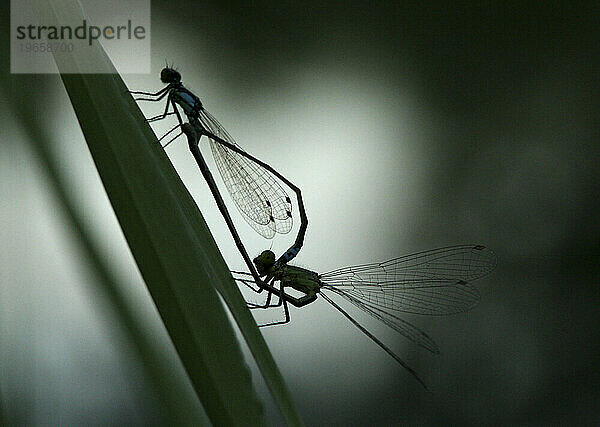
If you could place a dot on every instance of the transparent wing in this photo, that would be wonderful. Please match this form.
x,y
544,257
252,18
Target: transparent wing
x,y
402,326
434,282
259,197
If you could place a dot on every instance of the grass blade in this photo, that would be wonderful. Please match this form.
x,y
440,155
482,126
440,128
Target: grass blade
x,y
176,404
177,408
171,243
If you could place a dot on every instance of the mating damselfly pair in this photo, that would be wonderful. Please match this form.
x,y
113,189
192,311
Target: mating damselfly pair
x,y
434,282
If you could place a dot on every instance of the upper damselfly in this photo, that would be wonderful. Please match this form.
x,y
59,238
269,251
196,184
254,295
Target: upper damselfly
x,y
435,282
255,187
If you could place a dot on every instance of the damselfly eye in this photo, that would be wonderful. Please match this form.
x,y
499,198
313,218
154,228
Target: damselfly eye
x,y
264,261
169,75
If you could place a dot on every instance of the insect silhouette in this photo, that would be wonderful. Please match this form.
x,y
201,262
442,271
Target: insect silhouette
x,y
255,187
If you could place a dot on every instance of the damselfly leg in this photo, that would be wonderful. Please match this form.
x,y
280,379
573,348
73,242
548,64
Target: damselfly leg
x,y
159,117
281,301
247,280
173,129
158,96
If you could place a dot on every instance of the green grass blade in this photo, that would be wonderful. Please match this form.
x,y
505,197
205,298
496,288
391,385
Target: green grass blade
x,y
173,247
256,343
176,404
178,267
176,408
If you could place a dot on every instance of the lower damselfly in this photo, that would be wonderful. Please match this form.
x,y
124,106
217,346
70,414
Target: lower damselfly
x,y
434,282
255,187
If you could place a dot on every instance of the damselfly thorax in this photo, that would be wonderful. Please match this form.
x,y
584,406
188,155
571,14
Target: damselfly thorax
x,y
189,103
300,279
305,281
290,276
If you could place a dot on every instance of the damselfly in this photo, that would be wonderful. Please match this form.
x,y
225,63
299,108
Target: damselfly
x,y
253,185
435,282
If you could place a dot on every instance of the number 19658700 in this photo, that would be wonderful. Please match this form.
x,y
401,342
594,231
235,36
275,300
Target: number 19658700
x,y
46,47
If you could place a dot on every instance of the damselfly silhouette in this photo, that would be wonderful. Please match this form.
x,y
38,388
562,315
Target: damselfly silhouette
x,y
435,282
253,185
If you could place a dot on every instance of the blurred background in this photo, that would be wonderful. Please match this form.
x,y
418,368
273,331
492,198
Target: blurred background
x,y
407,128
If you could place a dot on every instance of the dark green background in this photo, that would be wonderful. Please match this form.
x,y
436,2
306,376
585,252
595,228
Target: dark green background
x,y
407,128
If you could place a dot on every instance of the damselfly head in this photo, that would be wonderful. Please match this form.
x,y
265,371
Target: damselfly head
x,y
170,75
264,262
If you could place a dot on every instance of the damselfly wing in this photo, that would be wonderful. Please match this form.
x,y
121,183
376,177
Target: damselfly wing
x,y
435,282
258,195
